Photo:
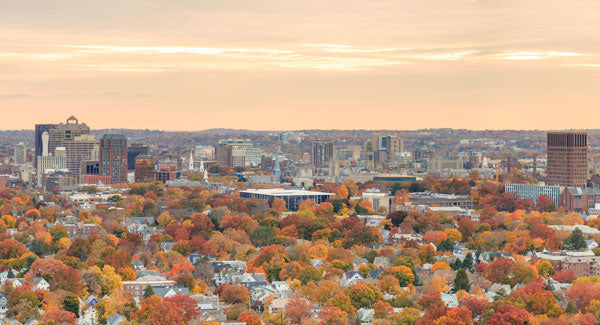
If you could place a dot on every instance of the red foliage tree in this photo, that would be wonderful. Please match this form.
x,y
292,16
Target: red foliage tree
x,y
187,304
298,309
509,315
166,313
60,317
232,293
564,276
499,270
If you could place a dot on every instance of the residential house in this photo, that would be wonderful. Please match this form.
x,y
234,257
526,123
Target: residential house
x,y
351,277
40,284
115,319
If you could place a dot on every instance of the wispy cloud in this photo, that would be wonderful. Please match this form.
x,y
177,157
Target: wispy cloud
x,y
13,96
173,50
306,56
537,55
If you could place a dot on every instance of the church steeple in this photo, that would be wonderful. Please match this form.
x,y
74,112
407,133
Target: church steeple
x,y
203,171
191,165
276,170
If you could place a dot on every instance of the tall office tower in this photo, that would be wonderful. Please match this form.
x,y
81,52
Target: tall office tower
x,y
232,152
113,157
321,152
567,159
20,153
38,143
512,163
383,149
83,147
134,150
60,133
145,169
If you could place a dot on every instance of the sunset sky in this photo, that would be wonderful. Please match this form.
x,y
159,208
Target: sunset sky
x,y
279,64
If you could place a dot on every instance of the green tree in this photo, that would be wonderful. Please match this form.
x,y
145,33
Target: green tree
x,y
461,282
575,241
262,236
467,263
445,245
71,303
148,292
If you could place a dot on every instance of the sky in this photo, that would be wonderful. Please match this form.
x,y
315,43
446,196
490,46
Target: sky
x,y
310,64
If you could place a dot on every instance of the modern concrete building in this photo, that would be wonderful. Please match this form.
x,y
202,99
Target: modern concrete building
x,y
292,198
532,192
46,163
113,157
567,159
441,200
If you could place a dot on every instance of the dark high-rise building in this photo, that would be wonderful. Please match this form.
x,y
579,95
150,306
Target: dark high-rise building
x,y
39,130
145,169
113,157
567,159
134,150
321,152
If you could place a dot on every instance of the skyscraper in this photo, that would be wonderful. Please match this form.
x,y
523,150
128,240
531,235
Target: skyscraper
x,y
83,147
60,133
567,159
134,150
383,149
38,143
113,157
321,152
20,153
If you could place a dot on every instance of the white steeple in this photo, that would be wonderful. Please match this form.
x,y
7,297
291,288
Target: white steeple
x,y
203,171
191,166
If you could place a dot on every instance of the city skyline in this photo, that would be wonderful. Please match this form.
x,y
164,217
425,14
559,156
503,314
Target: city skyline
x,y
200,65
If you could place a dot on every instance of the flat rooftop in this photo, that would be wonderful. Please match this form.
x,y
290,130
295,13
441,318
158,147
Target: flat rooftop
x,y
284,192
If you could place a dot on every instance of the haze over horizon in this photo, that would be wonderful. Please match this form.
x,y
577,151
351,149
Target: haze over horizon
x,y
288,65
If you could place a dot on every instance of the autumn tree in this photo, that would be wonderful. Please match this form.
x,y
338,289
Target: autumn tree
x,y
232,293
298,309
402,273
187,304
166,313
509,314
334,316
363,295
545,203
383,309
